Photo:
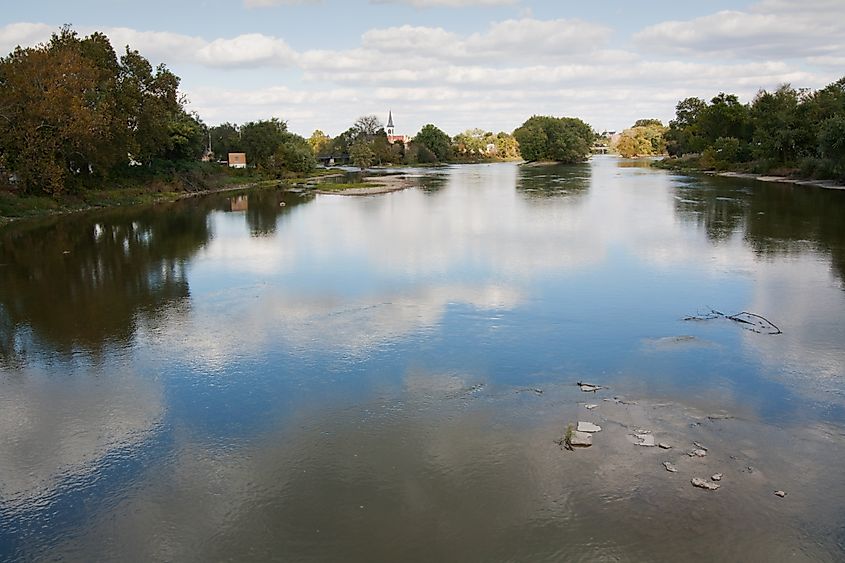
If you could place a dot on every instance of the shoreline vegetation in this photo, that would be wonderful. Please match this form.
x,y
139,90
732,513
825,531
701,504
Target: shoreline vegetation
x,y
13,208
678,165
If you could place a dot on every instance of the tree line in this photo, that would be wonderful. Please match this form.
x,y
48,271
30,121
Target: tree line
x,y
786,131
268,145
77,115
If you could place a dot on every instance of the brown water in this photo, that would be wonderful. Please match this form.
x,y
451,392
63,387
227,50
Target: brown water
x,y
385,378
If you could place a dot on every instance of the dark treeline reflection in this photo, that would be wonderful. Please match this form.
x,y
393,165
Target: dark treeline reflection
x,y
775,219
80,282
554,180
263,208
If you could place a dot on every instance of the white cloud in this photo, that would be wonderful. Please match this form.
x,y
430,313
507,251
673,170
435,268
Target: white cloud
x,y
770,29
510,40
253,49
24,34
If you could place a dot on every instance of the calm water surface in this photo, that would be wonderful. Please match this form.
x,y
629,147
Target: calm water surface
x,y
383,378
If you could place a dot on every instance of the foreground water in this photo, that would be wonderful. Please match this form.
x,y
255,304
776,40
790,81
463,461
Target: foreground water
x,y
384,378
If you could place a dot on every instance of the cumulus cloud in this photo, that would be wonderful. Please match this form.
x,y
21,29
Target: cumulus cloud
x,y
770,29
250,50
503,41
253,49
23,34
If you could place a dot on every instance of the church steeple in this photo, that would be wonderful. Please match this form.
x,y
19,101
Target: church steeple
x,y
390,123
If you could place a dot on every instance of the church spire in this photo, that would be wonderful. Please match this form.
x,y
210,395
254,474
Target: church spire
x,y
390,120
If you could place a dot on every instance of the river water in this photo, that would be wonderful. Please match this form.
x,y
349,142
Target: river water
x,y
300,377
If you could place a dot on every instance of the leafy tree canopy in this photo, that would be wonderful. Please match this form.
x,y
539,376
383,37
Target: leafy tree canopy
x,y
438,143
73,114
562,139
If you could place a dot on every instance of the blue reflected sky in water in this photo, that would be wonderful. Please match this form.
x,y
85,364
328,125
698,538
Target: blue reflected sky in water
x,y
503,277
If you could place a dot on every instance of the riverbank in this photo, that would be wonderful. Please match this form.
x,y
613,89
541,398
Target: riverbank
x,y
827,184
14,207
689,167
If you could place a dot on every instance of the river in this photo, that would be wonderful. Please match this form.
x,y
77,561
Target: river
x,y
300,377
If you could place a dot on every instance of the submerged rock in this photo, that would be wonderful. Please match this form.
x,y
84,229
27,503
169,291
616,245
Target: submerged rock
x,y
699,446
664,446
670,467
589,387
588,427
697,453
704,484
781,494
591,407
717,477
581,439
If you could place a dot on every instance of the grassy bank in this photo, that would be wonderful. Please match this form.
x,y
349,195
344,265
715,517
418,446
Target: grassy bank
x,y
137,191
753,171
810,169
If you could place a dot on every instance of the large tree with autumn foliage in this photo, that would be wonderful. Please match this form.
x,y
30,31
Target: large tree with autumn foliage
x,y
73,114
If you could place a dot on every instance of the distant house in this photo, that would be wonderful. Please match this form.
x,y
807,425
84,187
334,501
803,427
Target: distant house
x,y
392,137
237,160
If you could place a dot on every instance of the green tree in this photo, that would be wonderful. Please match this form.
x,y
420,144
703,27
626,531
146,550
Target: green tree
x,y
385,152
725,117
361,154
436,141
261,139
225,138
561,139
779,132
186,137
832,142
684,135
293,155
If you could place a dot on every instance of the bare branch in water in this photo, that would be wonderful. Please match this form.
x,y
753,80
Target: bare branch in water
x,y
750,321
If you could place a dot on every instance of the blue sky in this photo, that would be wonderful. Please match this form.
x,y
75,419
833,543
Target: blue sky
x,y
457,63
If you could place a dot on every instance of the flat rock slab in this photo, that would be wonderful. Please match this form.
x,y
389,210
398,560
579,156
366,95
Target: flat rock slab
x,y
664,446
588,427
645,440
591,407
589,387
704,484
698,453
581,440
670,467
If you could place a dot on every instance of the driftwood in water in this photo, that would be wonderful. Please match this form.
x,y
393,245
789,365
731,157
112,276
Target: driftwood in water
x,y
749,321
